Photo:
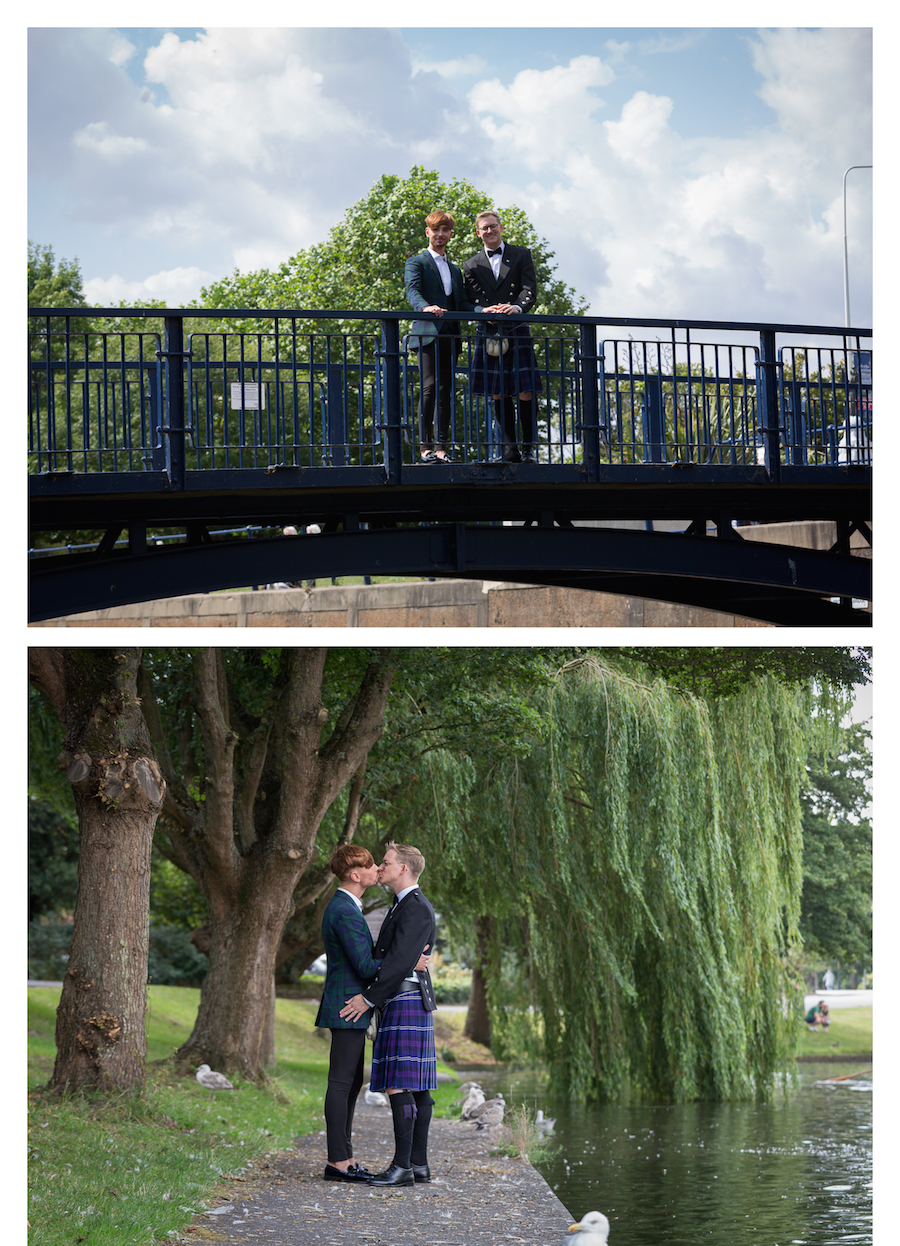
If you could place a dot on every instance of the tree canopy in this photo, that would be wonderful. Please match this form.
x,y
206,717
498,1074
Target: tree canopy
x,y
642,870
836,906
360,264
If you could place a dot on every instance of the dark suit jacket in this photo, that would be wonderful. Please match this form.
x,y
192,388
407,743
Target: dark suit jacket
x,y
408,928
348,946
424,288
517,283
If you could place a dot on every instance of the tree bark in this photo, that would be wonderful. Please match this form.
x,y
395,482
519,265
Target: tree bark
x,y
478,1018
266,785
118,789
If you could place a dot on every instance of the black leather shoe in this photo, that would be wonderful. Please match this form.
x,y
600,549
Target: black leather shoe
x,y
511,455
352,1174
394,1175
421,1172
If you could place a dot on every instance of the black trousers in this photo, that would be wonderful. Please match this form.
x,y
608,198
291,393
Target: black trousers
x,y
436,363
345,1079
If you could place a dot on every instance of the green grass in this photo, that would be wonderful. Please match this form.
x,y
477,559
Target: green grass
x,y
850,1034
135,1169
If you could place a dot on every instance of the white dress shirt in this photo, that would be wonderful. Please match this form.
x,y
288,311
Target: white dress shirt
x,y
443,266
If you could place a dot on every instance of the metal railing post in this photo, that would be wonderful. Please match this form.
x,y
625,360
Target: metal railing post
x,y
768,402
335,399
174,402
393,406
590,399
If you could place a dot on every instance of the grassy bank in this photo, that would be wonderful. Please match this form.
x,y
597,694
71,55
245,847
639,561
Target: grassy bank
x,y
850,1034
135,1169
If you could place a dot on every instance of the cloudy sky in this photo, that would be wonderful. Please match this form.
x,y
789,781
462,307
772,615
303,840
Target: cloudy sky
x,y
681,172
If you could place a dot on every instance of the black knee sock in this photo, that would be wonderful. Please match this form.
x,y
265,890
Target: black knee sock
x,y
403,1108
424,1108
526,417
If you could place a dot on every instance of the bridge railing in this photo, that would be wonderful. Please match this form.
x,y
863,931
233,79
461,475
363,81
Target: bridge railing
x,y
311,389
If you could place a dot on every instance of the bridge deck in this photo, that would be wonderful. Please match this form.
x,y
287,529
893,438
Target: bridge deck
x,y
148,433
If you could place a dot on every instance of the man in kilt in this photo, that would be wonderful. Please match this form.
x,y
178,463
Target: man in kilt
x,y
404,1062
501,278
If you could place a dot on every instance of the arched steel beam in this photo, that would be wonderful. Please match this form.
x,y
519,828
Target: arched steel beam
x,y
776,584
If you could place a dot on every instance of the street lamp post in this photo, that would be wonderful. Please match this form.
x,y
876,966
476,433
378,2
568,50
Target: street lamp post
x,y
846,266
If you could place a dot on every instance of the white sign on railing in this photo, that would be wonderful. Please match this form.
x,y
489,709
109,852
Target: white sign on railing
x,y
254,396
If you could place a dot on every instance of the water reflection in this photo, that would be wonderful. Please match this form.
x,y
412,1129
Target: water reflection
x,y
788,1173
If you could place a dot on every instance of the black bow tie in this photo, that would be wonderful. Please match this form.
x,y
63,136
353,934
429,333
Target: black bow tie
x,y
499,251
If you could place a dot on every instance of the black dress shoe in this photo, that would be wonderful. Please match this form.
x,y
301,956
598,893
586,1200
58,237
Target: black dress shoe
x,y
352,1174
421,1172
394,1175
511,455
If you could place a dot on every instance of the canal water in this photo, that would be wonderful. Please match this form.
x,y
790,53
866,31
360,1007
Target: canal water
x,y
793,1172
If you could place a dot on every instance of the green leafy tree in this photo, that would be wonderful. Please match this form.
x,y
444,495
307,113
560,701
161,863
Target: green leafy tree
x,y
635,872
52,284
52,859
836,908
360,264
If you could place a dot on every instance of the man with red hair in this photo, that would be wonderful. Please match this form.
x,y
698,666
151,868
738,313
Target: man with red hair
x,y
434,285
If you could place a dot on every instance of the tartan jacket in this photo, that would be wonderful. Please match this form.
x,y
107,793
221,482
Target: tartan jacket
x,y
348,946
408,929
424,288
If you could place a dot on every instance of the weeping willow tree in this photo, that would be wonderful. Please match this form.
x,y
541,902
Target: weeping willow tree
x,y
640,872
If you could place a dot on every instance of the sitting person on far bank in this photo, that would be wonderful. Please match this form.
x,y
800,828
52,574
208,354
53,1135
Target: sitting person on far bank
x,y
818,1015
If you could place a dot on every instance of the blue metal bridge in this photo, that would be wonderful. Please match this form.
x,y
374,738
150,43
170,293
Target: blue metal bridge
x,y
144,422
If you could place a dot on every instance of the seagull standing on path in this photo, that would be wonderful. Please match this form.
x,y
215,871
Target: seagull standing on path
x,y
591,1230
479,1110
474,1099
212,1081
492,1114
375,1098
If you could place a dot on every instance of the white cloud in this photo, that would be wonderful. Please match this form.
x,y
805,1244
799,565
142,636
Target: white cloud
x,y
121,50
460,67
543,114
645,222
176,287
96,137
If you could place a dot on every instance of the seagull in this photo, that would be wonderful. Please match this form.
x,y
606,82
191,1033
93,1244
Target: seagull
x,y
465,1088
491,1116
481,1108
212,1081
544,1126
591,1230
474,1099
375,1098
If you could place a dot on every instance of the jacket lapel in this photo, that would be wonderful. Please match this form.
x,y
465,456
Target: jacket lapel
x,y
484,265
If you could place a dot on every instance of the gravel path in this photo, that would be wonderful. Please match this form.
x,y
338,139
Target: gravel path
x,y
473,1197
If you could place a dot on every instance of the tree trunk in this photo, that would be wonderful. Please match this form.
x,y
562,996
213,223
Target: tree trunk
x,y
478,1018
267,781
234,1028
118,790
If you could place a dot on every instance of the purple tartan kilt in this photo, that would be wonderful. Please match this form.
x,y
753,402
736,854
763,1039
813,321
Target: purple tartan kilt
x,y
514,373
403,1057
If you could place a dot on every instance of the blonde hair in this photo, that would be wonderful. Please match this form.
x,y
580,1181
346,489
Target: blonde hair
x,y
409,856
487,212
